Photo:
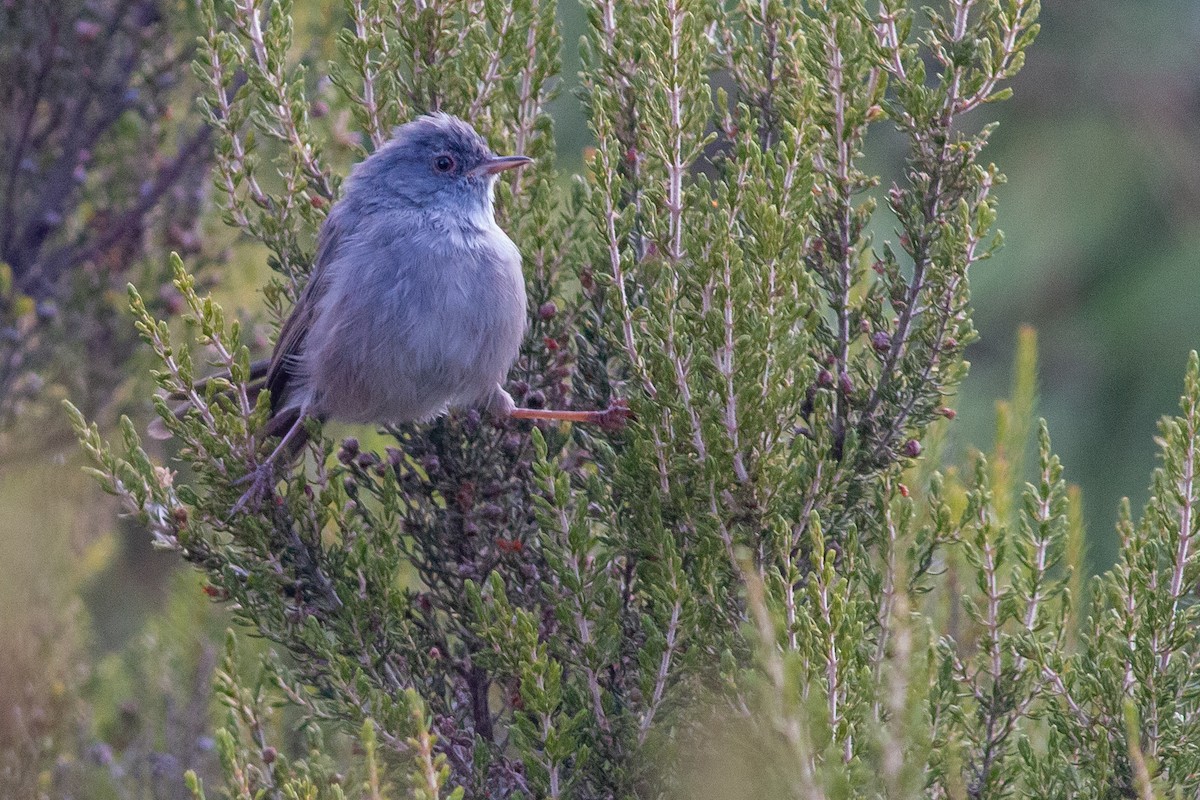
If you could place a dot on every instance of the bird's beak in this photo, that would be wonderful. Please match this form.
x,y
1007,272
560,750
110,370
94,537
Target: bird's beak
x,y
497,164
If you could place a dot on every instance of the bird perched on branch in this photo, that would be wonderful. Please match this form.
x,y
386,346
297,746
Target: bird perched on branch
x,y
416,302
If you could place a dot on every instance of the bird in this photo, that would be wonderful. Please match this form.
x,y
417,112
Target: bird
x,y
415,303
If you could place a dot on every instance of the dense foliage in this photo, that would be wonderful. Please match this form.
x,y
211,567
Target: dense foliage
x,y
758,586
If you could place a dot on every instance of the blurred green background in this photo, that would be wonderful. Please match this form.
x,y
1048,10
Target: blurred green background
x,y
1101,212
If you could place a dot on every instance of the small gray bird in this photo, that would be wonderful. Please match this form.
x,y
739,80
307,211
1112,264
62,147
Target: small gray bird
x,y
416,301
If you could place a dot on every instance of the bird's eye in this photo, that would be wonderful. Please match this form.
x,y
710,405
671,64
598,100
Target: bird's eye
x,y
443,163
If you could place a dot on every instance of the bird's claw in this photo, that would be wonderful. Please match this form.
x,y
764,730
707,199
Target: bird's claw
x,y
616,416
262,486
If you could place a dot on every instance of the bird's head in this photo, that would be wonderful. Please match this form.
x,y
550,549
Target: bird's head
x,y
436,162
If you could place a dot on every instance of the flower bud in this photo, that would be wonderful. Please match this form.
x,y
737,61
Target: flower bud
x,y
348,451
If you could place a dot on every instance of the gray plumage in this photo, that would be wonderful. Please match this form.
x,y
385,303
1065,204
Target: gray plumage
x,y
416,301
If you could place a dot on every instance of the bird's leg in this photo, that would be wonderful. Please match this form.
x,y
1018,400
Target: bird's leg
x,y
262,477
612,418
589,417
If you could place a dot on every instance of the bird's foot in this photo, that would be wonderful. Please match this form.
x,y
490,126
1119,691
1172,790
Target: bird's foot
x,y
261,486
616,416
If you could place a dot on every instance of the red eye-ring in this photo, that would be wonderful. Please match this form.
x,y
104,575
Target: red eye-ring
x,y
443,163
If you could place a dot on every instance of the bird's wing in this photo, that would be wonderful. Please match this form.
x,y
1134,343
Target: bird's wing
x,y
290,344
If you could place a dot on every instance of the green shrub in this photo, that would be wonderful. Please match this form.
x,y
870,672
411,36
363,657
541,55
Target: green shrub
x,y
761,585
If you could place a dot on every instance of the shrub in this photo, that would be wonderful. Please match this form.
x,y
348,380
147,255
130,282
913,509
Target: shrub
x,y
760,586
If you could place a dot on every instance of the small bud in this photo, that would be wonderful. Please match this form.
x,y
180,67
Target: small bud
x,y
269,754
912,448
951,343
367,460
547,310
492,511
948,413
825,378
395,457
881,341
431,464
845,384
535,399
864,326
316,201
551,343
348,450
903,490
435,653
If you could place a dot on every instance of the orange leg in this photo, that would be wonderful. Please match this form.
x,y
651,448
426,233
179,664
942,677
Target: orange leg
x,y
587,417
613,417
